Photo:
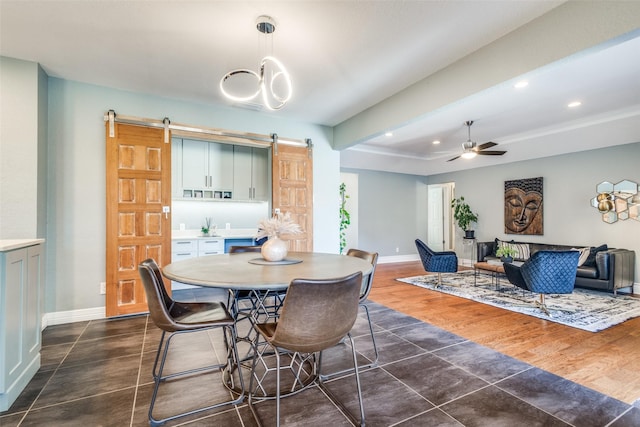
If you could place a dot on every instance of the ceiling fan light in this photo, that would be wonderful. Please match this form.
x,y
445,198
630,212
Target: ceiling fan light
x,y
468,154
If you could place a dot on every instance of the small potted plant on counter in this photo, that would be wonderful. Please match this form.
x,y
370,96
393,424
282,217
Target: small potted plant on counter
x,y
464,216
205,228
506,253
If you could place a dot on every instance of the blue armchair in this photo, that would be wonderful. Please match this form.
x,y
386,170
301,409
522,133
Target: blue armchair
x,y
546,272
437,262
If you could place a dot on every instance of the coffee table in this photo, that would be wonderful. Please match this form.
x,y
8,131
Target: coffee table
x,y
494,269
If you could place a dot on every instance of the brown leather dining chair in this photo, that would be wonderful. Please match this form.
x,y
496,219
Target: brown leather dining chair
x,y
367,283
317,314
270,302
174,318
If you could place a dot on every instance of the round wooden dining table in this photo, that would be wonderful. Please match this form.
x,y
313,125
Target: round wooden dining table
x,y
248,271
258,291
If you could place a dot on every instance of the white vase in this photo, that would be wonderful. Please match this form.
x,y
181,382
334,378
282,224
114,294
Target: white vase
x,y
274,249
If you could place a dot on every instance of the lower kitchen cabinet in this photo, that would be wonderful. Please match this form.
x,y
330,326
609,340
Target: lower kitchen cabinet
x,y
21,280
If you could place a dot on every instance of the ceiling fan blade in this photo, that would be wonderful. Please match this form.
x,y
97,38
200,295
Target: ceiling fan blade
x,y
491,153
485,146
453,159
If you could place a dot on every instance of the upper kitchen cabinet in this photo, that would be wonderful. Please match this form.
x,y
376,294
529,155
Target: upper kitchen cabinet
x,y
250,173
211,170
202,169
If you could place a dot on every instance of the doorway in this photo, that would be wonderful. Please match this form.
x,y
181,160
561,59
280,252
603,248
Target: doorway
x,y
439,220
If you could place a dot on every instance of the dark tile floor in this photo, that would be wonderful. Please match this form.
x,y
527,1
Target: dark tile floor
x,y
98,373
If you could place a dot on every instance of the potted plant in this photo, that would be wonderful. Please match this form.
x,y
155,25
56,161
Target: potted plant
x,y
464,216
506,253
205,228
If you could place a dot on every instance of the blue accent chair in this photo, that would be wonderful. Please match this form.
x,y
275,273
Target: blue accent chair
x,y
546,272
437,262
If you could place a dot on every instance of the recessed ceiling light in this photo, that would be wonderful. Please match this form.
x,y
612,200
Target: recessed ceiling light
x,y
388,134
436,142
521,84
574,104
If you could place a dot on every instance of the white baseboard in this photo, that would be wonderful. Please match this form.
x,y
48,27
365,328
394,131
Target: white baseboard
x,y
70,316
398,258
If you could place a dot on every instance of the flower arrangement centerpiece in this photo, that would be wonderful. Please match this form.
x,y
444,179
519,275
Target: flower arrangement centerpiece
x,y
275,249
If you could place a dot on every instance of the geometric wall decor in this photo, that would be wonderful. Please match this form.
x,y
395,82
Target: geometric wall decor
x,y
619,201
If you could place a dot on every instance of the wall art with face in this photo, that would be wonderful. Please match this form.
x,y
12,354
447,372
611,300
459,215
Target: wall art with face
x,y
523,206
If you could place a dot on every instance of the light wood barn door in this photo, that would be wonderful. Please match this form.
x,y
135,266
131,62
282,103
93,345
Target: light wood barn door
x,y
138,187
293,192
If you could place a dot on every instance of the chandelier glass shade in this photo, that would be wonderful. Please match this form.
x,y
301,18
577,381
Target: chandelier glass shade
x,y
272,81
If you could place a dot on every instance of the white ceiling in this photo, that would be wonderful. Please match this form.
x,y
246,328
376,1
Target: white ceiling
x,y
344,57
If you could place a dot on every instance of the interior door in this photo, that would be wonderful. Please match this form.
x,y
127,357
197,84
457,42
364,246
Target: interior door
x,y
292,192
435,218
138,221
439,229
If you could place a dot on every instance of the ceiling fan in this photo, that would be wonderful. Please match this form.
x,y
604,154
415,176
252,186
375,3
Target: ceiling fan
x,y
471,149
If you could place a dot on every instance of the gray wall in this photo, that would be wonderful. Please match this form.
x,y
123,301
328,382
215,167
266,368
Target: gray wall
x,y
23,166
392,211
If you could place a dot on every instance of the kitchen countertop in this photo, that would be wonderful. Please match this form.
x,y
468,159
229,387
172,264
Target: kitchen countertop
x,y
12,244
234,233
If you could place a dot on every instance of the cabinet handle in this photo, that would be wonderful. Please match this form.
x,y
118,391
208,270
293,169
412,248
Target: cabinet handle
x,y
187,253
183,243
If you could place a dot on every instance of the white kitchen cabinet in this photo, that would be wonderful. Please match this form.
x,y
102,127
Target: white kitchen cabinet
x,y
210,246
250,173
206,169
21,278
183,249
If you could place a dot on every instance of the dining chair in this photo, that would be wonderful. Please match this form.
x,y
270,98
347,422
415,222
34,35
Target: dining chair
x,y
365,289
175,318
317,315
236,296
251,306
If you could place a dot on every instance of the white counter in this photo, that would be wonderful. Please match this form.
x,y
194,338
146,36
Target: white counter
x,y
12,244
234,233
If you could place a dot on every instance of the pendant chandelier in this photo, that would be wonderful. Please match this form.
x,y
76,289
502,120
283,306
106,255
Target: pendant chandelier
x,y
272,79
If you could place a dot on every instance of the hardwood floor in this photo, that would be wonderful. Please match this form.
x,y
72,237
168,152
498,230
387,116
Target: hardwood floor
x,y
604,361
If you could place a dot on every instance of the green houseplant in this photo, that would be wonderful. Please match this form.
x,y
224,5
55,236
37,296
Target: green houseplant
x,y
464,216
506,253
345,218
205,228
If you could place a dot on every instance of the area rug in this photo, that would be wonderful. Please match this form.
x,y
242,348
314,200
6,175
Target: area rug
x,y
583,309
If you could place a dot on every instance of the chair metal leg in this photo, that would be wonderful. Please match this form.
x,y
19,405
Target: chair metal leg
x,y
334,399
373,340
158,378
373,364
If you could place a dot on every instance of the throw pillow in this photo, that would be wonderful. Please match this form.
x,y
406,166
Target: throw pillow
x,y
522,249
584,254
591,259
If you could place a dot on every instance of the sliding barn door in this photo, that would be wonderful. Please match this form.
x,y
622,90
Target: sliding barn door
x,y
293,192
138,221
